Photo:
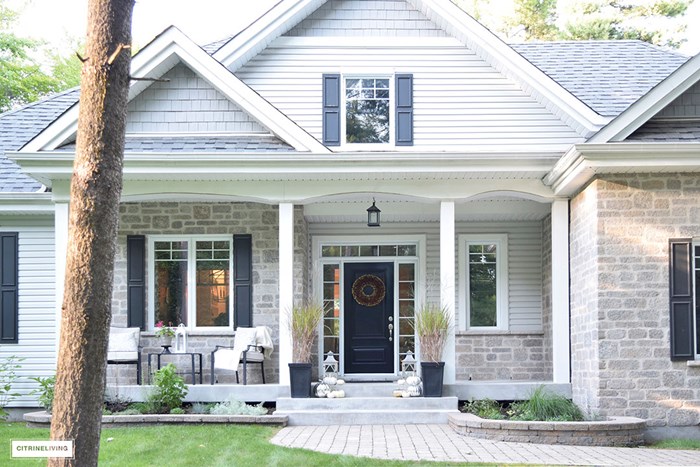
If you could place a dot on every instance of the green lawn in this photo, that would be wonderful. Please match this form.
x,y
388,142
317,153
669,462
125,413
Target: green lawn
x,y
201,445
677,444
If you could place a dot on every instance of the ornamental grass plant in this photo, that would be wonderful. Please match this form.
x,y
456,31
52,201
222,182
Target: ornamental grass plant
x,y
433,323
304,320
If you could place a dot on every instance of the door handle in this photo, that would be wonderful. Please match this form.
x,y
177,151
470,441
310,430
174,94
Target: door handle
x,y
391,332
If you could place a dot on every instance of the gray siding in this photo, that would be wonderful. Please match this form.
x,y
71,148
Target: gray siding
x,y
186,104
460,102
367,18
524,261
37,321
684,106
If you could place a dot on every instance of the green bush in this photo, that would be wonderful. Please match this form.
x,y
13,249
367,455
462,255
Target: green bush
x,y
8,375
169,389
545,406
45,391
201,408
484,408
232,406
177,411
129,411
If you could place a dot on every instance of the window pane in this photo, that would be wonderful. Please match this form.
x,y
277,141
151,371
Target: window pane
x,y
330,251
407,343
406,308
351,251
387,250
406,290
482,285
369,250
331,344
213,284
171,292
406,272
407,250
331,273
367,110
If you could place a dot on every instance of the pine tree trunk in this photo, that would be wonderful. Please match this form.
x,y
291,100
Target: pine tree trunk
x,y
94,208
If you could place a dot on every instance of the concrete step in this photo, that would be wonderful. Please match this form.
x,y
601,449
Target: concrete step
x,y
367,410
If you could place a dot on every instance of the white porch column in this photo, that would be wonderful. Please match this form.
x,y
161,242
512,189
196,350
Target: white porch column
x,y
447,282
286,286
60,251
560,292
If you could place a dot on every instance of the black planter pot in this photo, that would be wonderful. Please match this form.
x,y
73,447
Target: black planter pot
x,y
300,379
432,378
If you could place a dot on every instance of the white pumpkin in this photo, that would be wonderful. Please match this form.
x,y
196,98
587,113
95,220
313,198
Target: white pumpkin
x,y
413,380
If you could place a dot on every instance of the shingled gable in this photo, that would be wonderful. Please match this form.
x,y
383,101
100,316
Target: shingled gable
x,y
159,56
453,20
580,164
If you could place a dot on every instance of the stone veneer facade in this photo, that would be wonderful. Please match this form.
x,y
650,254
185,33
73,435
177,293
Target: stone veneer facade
x,y
619,229
173,218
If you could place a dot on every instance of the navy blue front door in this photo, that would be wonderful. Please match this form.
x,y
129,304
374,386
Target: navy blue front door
x,y
369,317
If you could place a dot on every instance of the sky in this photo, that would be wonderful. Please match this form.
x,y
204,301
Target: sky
x,y
55,21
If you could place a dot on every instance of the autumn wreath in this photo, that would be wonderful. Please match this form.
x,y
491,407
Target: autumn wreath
x,y
368,290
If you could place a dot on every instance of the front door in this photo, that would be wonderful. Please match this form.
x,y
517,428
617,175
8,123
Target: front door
x,y
369,317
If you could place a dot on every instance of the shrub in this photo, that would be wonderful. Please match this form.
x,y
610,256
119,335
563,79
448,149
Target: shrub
x,y
200,408
45,391
545,406
8,375
232,406
484,408
169,389
129,411
177,411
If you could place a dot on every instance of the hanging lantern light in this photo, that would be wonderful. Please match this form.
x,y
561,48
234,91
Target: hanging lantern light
x,y
373,215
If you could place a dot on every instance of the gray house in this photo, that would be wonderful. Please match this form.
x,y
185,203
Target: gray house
x,y
547,194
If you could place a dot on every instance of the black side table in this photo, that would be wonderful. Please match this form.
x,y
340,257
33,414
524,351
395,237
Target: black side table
x,y
192,355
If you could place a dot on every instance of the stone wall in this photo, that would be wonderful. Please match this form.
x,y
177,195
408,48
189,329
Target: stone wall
x,y
173,218
620,227
501,356
547,294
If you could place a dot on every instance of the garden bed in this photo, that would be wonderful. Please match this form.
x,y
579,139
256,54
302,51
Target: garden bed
x,y
43,419
616,431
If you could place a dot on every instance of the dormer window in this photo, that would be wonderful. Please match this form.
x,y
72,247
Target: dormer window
x,y
365,112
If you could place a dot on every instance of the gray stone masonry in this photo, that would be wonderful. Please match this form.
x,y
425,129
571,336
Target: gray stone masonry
x,y
621,366
174,218
501,356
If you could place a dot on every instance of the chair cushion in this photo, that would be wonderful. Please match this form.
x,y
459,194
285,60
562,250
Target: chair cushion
x,y
254,356
123,342
122,356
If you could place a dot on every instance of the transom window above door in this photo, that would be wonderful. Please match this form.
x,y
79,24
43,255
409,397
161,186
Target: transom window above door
x,y
191,281
367,110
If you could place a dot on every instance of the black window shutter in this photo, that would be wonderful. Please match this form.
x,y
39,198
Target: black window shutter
x,y
243,280
331,110
681,299
136,281
9,287
404,110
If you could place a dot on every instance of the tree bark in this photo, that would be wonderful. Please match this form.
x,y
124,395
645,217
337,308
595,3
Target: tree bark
x,y
94,208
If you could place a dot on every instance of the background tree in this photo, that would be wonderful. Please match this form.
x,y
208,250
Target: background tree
x,y
654,21
21,77
537,18
95,190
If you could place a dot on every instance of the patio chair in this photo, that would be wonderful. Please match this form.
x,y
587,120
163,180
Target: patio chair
x,y
123,348
250,346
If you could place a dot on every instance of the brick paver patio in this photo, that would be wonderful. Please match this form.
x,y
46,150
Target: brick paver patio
x,y
441,443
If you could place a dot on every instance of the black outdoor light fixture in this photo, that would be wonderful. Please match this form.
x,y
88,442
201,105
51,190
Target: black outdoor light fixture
x,y
373,213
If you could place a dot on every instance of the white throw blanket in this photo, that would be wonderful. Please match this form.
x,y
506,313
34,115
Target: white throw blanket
x,y
229,359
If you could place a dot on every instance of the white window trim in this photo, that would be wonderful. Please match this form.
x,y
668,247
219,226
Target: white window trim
x,y
501,241
191,278
392,111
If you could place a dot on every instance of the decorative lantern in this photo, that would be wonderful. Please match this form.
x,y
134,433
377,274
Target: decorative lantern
x,y
330,369
412,381
408,365
373,215
180,339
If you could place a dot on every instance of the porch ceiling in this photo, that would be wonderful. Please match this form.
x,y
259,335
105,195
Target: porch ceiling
x,y
498,209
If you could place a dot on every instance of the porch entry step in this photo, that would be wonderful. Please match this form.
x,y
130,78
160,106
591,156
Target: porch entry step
x,y
367,410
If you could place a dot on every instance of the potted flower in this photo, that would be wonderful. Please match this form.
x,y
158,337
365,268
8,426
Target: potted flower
x,y
165,334
303,322
433,323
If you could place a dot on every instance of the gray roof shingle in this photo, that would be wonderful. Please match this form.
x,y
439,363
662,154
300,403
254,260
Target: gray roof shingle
x,y
608,76
18,127
193,143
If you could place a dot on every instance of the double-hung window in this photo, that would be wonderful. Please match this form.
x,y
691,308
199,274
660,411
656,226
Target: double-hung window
x,y
483,270
367,111
191,281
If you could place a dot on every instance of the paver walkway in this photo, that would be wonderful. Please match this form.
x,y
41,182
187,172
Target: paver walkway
x,y
441,443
